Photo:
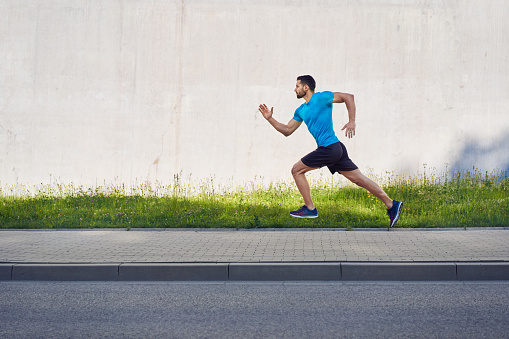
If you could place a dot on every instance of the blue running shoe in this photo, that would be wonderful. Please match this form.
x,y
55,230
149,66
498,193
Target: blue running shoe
x,y
304,212
394,212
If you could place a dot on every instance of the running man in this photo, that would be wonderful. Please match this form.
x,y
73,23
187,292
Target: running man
x,y
316,113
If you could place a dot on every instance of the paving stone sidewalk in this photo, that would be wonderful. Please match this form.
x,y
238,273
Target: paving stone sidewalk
x,y
253,246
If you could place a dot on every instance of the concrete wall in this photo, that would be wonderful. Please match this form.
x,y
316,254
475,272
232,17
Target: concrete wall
x,y
125,90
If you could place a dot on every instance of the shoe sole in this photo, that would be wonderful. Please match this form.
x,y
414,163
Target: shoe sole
x,y
305,216
398,212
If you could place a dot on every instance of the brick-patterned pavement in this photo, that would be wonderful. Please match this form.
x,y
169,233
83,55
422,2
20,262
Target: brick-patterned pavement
x,y
220,246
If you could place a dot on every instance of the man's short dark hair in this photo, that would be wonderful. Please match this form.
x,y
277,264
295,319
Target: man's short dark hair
x,y
307,80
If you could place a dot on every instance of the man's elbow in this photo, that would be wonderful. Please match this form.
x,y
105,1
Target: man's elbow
x,y
287,132
342,97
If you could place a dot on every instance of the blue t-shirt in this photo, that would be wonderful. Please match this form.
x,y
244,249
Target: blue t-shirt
x,y
317,115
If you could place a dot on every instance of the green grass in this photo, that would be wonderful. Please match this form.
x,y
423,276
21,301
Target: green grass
x,y
460,200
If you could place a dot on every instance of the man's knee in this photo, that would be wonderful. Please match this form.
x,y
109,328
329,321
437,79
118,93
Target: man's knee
x,y
358,181
355,177
299,168
296,169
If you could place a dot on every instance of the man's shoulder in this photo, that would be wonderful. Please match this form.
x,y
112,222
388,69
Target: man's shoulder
x,y
325,94
325,97
300,107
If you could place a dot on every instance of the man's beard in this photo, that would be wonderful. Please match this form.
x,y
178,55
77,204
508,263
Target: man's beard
x,y
300,95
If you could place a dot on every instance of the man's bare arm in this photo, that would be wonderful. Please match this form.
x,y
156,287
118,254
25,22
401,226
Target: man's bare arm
x,y
349,101
287,129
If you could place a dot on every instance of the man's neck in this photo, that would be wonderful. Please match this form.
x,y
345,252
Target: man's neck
x,y
308,96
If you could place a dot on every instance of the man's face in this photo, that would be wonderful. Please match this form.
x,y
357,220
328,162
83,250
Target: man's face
x,y
300,90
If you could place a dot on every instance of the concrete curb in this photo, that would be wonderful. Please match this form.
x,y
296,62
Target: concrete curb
x,y
399,271
483,271
5,272
173,272
65,272
334,271
284,271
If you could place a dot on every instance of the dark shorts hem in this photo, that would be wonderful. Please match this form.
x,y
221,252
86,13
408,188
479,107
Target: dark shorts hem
x,y
334,156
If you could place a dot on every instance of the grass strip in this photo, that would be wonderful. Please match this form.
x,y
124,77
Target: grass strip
x,y
463,200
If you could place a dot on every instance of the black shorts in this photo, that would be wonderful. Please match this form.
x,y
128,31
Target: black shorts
x,y
334,156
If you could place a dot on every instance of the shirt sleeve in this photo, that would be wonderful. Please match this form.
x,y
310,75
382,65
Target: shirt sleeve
x,y
296,115
328,97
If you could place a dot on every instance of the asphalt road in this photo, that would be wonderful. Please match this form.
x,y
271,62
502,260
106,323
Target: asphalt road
x,y
254,310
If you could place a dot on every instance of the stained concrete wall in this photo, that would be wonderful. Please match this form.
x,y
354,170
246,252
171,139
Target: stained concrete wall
x,y
125,90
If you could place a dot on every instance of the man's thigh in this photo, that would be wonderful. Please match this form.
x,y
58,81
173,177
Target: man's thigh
x,y
354,176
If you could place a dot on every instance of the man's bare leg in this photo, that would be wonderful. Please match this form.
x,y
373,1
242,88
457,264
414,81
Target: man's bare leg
x,y
361,180
299,175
